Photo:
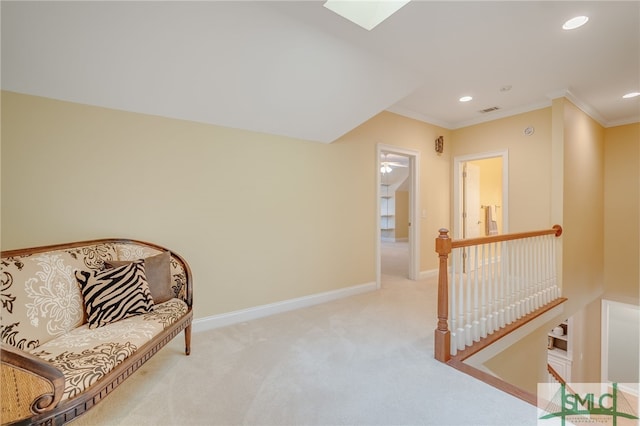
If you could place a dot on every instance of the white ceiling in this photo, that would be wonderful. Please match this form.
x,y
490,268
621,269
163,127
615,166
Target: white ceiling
x,y
399,170
295,68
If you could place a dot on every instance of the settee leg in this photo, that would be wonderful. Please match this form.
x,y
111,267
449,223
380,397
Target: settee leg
x,y
187,340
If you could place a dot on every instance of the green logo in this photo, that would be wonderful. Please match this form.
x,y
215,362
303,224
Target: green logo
x,y
585,406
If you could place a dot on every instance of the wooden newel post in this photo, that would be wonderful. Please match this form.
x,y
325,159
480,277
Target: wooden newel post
x,y
442,343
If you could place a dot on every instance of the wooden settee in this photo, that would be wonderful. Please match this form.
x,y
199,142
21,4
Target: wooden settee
x,y
77,319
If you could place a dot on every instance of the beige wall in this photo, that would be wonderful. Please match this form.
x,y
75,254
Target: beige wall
x,y
434,194
520,364
529,163
260,218
583,209
402,215
575,148
622,213
586,338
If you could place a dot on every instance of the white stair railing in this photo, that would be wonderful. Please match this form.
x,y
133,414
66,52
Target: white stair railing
x,y
494,281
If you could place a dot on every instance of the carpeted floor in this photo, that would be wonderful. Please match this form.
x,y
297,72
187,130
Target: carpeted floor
x,y
363,360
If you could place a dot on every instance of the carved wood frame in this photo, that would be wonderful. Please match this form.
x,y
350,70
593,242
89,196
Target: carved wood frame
x,y
49,411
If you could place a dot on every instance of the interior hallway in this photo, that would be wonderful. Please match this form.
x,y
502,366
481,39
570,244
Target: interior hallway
x,y
362,360
394,256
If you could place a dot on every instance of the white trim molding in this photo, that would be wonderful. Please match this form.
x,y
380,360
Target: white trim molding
x,y
235,317
414,203
619,344
456,232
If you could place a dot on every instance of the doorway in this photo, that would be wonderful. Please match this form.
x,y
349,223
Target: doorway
x,y
397,227
480,194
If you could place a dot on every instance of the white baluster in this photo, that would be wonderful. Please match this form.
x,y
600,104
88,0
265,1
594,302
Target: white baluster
x,y
554,258
461,337
518,276
476,323
503,320
495,273
530,282
483,317
545,273
508,282
486,276
468,332
543,283
452,302
536,274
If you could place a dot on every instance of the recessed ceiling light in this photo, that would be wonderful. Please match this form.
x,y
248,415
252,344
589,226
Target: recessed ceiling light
x,y
631,95
368,13
465,98
576,22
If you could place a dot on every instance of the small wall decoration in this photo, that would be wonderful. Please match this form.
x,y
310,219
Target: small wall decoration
x,y
440,145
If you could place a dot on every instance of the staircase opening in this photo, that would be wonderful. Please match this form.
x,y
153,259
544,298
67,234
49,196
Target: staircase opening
x,y
489,287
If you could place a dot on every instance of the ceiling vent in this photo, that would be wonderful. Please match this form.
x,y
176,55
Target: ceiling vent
x,y
490,109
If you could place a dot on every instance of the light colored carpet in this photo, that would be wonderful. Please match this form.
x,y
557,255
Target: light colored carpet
x,y
363,360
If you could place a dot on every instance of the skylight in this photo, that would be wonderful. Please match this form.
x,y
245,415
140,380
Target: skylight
x,y
366,13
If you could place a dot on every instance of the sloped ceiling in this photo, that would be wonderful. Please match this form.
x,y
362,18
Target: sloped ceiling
x,y
296,69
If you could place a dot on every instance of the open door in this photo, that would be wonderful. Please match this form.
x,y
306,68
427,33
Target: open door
x,y
471,222
413,191
481,182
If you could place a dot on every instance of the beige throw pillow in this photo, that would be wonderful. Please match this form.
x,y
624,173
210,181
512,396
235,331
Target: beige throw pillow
x,y
158,271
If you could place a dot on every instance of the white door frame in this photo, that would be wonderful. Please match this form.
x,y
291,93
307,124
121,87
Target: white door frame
x,y
414,203
457,194
614,338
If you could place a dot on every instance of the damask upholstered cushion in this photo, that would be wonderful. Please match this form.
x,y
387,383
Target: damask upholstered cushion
x,y
158,271
43,313
114,294
41,298
86,355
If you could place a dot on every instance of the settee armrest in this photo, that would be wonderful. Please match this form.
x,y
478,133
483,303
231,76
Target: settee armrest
x,y
29,385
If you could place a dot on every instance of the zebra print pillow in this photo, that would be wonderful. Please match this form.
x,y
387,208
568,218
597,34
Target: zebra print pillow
x,y
115,294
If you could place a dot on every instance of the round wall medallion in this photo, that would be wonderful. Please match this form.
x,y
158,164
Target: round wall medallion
x,y
529,131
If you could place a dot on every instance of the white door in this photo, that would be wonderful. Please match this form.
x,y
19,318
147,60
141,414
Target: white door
x,y
472,224
501,198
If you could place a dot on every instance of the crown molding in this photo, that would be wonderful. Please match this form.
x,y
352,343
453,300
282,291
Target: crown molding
x,y
564,93
420,117
503,114
623,122
585,107
453,126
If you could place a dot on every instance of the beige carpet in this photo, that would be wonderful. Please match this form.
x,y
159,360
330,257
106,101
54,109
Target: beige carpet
x,y
364,360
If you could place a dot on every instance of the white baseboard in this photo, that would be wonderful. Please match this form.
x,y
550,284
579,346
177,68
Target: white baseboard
x,y
229,318
428,274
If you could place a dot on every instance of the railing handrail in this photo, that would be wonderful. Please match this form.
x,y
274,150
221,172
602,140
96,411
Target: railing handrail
x,y
556,375
468,242
444,246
